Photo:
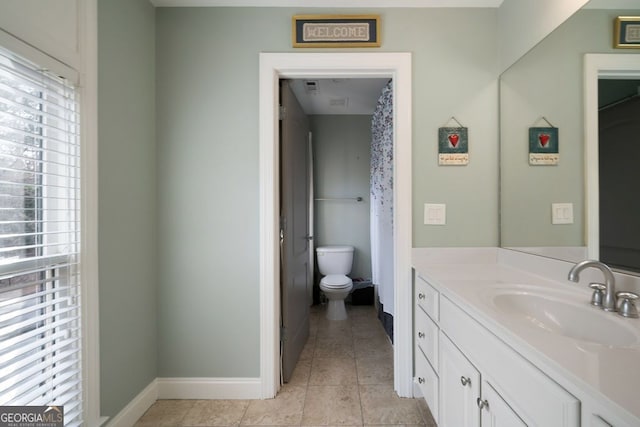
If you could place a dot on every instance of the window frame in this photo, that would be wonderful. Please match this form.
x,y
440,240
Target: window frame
x,y
83,72
41,297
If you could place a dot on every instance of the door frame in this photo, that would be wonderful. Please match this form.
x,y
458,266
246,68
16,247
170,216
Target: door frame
x,y
596,66
272,68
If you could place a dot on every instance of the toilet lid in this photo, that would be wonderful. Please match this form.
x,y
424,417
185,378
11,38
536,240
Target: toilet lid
x,y
336,281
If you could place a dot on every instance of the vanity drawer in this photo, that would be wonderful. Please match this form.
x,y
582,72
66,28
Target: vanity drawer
x,y
427,297
428,381
426,336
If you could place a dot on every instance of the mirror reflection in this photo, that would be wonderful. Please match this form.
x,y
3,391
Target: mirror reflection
x,y
618,157
545,88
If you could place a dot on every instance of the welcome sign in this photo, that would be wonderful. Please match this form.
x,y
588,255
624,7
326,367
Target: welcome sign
x,y
336,31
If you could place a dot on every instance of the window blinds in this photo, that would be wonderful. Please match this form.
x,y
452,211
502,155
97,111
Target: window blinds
x,y
40,335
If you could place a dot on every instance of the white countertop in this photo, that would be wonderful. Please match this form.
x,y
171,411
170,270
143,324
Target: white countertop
x,y
607,374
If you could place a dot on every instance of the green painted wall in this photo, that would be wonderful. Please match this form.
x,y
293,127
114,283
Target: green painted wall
x,y
207,133
341,164
127,201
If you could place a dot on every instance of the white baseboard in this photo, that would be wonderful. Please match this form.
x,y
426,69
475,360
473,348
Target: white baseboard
x,y
137,407
185,388
209,388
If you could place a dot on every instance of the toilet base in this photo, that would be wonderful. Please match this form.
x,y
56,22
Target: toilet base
x,y
336,310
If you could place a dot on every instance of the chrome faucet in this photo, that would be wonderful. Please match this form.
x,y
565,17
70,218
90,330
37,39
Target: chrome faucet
x,y
609,300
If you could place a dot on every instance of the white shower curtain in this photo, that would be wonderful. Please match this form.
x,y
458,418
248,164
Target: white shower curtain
x,y
381,182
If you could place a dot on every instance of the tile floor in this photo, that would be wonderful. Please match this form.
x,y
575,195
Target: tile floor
x,y
344,378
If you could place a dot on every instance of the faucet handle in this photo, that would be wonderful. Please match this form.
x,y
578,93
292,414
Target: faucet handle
x,y
598,294
627,305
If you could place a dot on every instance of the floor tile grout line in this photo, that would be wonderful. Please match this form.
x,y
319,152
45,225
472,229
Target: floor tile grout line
x,y
355,361
244,413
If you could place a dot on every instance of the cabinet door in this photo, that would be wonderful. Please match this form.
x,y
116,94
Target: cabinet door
x,y
459,388
495,412
428,382
538,399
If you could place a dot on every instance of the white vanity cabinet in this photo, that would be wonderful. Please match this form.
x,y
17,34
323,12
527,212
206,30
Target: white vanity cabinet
x,y
532,395
426,317
459,387
467,399
495,411
469,377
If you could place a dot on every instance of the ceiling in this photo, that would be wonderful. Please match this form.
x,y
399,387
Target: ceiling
x,y
338,96
593,4
328,3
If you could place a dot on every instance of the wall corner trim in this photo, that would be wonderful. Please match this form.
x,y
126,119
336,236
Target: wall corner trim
x,y
137,407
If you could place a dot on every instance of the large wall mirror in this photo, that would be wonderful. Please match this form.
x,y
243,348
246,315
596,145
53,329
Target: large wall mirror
x,y
546,88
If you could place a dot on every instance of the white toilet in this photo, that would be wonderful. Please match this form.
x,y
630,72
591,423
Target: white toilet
x,y
334,263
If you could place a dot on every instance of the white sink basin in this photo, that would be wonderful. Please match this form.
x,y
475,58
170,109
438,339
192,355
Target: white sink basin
x,y
563,314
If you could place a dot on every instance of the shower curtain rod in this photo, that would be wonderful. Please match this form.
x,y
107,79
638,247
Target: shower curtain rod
x,y
357,199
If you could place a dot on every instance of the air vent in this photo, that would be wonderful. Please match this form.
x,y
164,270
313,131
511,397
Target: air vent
x,y
311,86
339,102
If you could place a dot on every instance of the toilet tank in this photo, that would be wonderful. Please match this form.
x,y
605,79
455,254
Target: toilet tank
x,y
334,259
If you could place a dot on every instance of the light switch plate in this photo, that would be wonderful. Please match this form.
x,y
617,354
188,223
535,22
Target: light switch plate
x,y
562,213
435,214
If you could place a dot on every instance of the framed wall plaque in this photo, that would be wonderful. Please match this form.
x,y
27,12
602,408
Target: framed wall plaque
x,y
627,32
453,146
336,30
543,146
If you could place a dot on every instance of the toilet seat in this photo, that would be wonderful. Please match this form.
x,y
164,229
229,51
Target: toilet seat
x,y
336,281
336,288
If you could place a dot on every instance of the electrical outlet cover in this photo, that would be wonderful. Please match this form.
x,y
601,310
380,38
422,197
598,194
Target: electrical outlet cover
x,y
435,214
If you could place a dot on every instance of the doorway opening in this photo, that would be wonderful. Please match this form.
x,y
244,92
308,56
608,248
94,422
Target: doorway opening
x,y
597,67
276,66
331,133
618,118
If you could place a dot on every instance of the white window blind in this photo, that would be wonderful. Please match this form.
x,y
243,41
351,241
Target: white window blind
x,y
40,335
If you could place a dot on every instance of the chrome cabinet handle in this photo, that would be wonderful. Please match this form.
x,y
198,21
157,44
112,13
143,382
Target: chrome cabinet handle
x,y
421,296
420,334
482,404
465,381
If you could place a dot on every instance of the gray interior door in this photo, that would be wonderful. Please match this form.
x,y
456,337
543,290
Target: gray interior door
x,y
295,229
